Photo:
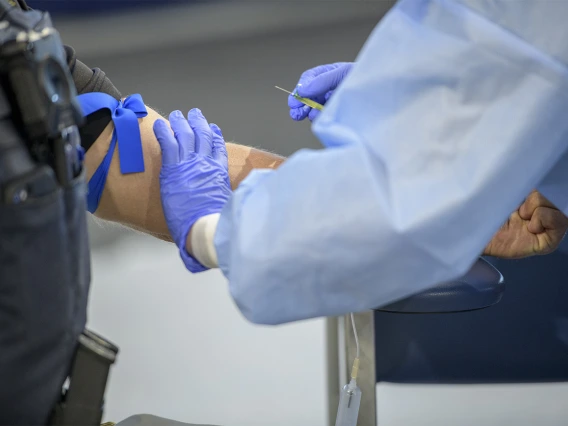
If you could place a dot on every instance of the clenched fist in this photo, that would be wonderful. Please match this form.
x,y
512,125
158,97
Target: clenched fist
x,y
536,228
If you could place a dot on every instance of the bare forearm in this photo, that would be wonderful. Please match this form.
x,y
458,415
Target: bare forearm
x,y
243,159
134,200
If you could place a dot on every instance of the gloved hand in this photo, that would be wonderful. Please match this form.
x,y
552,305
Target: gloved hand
x,y
194,180
317,84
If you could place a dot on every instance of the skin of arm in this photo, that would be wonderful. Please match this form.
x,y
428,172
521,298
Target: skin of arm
x,y
134,200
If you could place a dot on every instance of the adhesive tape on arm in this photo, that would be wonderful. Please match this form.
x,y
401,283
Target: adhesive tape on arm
x,y
202,240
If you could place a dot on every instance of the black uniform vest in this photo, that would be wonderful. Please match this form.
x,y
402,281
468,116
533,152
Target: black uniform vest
x,y
44,279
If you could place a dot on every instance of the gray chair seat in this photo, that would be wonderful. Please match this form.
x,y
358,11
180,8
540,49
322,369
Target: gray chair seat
x,y
149,420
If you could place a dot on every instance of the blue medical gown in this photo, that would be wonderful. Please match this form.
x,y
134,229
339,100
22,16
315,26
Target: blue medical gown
x,y
453,112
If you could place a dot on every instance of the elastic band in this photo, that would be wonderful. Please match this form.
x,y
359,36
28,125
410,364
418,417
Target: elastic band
x,y
126,132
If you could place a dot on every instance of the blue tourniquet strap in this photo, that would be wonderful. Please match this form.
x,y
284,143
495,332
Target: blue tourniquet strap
x,y
126,131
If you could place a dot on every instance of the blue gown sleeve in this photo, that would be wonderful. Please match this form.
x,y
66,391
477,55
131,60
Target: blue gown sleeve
x,y
555,184
447,121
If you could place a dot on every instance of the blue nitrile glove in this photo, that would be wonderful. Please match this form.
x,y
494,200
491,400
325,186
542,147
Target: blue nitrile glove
x,y
317,84
194,180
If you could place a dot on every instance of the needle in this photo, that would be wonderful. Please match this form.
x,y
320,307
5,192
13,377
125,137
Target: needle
x,y
305,101
284,90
